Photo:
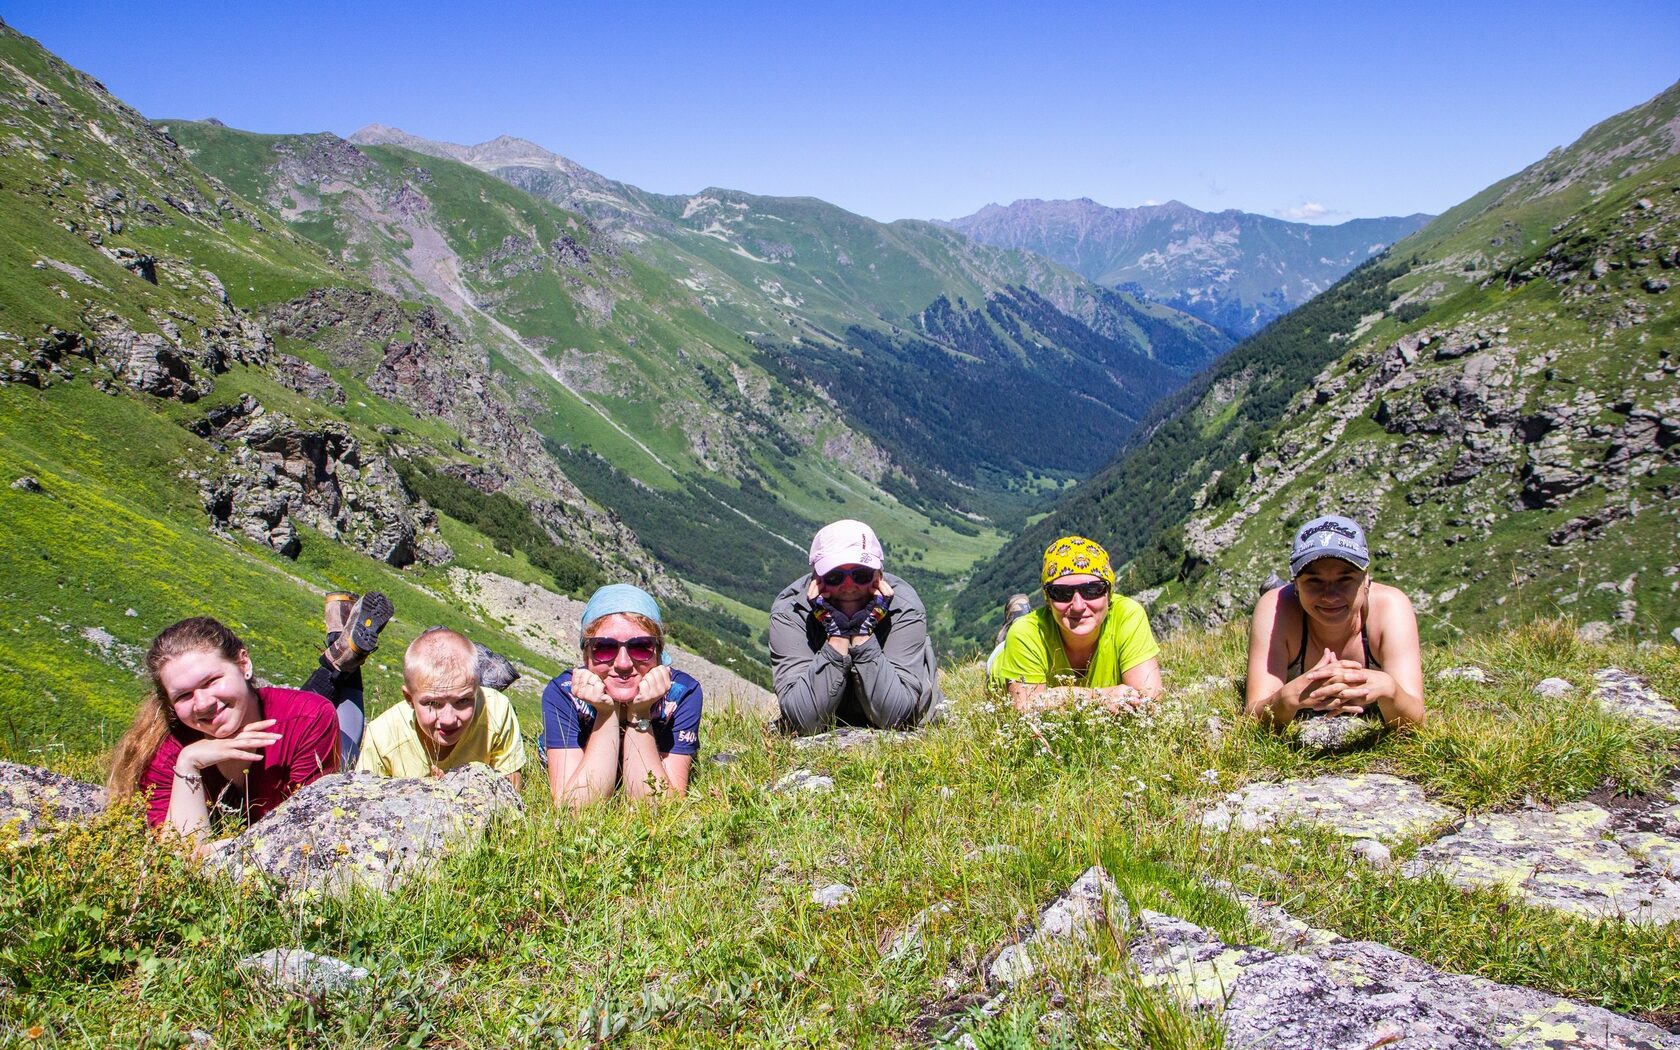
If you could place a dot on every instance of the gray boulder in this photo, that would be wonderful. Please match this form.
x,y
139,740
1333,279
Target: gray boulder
x,y
1359,806
1553,688
35,800
302,972
1065,927
803,781
1630,696
848,737
1332,736
358,829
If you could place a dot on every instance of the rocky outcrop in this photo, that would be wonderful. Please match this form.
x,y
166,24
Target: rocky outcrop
x,y
1577,858
1065,929
1632,697
1341,993
33,801
358,829
317,384
415,357
1361,806
280,473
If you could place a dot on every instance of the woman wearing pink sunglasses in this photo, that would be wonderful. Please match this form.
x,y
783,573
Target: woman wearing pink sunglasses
x,y
623,715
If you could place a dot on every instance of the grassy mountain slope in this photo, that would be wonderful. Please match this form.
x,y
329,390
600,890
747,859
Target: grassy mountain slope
x,y
816,286
1234,269
173,443
1494,396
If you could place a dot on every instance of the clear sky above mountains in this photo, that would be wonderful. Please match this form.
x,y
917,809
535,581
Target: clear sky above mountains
x,y
896,110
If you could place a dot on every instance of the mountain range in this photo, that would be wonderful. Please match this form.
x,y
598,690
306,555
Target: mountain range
x,y
1233,269
1494,397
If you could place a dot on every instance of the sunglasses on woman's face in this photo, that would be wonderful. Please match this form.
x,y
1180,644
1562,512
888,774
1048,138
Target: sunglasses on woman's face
x,y
1064,592
605,650
860,575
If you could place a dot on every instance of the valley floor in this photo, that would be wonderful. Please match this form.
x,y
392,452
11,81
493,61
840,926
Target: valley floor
x,y
716,921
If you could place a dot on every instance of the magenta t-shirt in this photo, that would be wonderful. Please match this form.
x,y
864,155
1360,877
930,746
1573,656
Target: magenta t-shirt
x,y
306,751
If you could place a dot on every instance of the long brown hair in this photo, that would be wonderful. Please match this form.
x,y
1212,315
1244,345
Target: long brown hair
x,y
156,716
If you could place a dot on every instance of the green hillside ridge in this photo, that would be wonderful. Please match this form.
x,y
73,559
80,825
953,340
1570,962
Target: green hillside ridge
x,y
979,818
1500,390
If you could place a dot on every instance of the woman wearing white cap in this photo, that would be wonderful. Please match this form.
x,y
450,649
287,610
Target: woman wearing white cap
x,y
849,642
1334,642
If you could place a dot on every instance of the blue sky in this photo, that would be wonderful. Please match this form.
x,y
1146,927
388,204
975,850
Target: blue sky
x,y
896,110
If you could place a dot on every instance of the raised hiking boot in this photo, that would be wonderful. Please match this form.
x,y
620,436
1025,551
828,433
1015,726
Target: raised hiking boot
x,y
1016,607
339,604
360,635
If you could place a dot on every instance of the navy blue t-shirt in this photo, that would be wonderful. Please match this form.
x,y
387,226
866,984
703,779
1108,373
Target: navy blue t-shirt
x,y
567,721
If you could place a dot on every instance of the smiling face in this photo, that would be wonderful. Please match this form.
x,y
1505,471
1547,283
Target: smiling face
x,y
208,692
1079,618
854,584
1331,590
443,709
622,673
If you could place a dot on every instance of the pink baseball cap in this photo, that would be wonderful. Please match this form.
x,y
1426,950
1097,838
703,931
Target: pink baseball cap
x,y
845,542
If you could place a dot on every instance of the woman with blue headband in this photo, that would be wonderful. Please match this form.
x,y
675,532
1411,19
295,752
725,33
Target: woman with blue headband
x,y
623,715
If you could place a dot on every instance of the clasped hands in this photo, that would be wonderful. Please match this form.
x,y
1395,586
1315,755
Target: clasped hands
x,y
1340,687
856,625
591,688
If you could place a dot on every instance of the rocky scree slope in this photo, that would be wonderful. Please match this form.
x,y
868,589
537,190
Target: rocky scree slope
x,y
1236,270
1494,398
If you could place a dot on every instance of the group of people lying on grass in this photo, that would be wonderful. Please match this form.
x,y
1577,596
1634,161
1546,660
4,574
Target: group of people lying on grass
x,y
849,646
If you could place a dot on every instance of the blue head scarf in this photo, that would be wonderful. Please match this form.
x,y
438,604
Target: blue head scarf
x,y
622,598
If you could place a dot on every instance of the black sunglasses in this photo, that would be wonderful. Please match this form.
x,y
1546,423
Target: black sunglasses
x,y
860,575
1064,592
605,650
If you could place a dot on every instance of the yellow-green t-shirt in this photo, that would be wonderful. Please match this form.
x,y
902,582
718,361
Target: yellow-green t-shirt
x,y
393,747
1033,652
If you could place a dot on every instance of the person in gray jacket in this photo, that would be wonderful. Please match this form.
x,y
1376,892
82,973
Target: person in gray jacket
x,y
849,643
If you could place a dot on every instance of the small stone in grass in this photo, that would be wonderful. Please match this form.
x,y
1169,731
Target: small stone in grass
x,y
1373,853
833,895
1553,688
1462,674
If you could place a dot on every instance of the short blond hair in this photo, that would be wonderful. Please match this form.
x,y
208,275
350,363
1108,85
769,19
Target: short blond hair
x,y
440,656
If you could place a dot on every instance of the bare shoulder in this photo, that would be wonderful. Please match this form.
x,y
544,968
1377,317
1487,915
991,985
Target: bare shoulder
x,y
1387,600
1272,602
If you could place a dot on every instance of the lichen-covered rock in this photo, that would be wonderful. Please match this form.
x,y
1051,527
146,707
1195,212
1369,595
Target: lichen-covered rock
x,y
1331,736
1360,806
834,895
34,800
847,737
1462,674
1627,694
1065,927
360,829
1562,858
1340,993
301,971
1553,688
803,781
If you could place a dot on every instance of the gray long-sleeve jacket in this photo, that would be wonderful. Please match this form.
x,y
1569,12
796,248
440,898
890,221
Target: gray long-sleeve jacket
x,y
890,681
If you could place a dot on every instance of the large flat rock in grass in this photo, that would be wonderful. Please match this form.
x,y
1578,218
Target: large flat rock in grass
x,y
847,738
1361,806
1577,858
358,829
35,800
1362,994
1622,693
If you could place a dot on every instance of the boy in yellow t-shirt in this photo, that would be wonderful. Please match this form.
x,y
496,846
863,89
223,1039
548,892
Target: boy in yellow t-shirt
x,y
447,719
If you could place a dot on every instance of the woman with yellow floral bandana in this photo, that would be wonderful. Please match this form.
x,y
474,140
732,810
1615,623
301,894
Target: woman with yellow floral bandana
x,y
1086,643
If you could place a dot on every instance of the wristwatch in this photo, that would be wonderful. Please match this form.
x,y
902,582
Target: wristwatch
x,y
641,725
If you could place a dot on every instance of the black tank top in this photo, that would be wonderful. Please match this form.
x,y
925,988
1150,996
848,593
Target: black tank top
x,y
1298,666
